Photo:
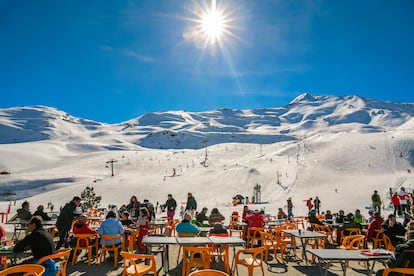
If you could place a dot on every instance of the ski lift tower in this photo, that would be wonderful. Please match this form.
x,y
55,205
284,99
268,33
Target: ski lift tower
x,y
112,161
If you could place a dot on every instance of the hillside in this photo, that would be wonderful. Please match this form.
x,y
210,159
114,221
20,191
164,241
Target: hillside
x,y
339,148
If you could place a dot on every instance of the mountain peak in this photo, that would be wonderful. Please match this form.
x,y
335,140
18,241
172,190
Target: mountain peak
x,y
305,97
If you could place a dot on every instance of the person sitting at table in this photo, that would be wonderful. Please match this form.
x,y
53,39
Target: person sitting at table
x,y
254,220
40,243
125,219
112,226
281,214
215,216
375,224
218,228
401,258
349,222
201,217
358,218
185,226
340,217
23,213
371,216
392,229
410,225
40,212
81,226
313,219
328,216
143,222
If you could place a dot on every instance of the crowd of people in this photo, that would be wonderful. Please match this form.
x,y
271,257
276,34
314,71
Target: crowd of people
x,y
137,214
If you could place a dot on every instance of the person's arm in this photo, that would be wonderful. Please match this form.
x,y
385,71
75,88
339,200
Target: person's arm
x,y
21,245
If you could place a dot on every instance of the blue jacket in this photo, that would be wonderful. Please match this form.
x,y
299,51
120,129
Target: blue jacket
x,y
187,227
111,226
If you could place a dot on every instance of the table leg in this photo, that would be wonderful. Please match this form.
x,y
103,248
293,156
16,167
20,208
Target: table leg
x,y
304,250
166,260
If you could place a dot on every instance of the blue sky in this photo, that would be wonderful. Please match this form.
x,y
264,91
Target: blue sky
x,y
112,61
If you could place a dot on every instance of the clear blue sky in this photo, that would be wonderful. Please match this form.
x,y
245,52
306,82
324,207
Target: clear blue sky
x,y
112,61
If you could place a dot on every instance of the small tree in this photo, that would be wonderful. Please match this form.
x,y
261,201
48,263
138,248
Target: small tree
x,y
90,199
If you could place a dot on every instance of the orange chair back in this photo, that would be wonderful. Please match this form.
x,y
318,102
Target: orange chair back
x,y
84,242
27,269
61,256
195,257
132,268
208,272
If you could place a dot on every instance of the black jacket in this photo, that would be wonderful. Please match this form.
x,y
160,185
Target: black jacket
x,y
40,243
64,221
401,258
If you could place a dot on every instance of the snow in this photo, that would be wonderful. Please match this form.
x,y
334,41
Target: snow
x,y
338,148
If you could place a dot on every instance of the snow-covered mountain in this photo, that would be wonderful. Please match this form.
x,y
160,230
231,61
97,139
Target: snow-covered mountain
x,y
306,115
339,148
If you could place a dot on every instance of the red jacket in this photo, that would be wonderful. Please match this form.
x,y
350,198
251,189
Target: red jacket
x,y
374,224
255,220
395,200
82,228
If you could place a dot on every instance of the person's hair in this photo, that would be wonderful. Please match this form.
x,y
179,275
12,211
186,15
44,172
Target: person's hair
x,y
75,198
82,218
133,197
111,214
170,195
40,207
391,216
376,214
126,214
37,220
25,203
215,211
144,210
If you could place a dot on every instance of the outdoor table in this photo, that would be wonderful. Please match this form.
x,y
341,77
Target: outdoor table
x,y
160,241
7,251
21,226
193,241
328,256
304,235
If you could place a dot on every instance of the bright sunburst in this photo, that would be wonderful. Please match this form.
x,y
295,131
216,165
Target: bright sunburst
x,y
213,24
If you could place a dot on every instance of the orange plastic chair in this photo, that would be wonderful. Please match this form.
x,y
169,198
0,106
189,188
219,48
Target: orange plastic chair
x,y
377,239
183,235
3,260
328,232
269,242
255,259
27,269
253,235
112,246
142,268
353,242
198,257
61,257
387,243
132,239
220,252
208,272
403,271
54,234
83,243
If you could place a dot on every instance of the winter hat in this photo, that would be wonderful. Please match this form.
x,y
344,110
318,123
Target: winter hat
x,y
187,216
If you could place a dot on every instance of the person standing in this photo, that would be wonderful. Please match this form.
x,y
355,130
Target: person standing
x,y
40,243
191,206
171,205
133,207
316,204
376,202
309,204
290,208
402,194
64,221
395,200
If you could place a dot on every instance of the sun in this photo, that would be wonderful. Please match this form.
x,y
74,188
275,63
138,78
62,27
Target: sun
x,y
213,25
